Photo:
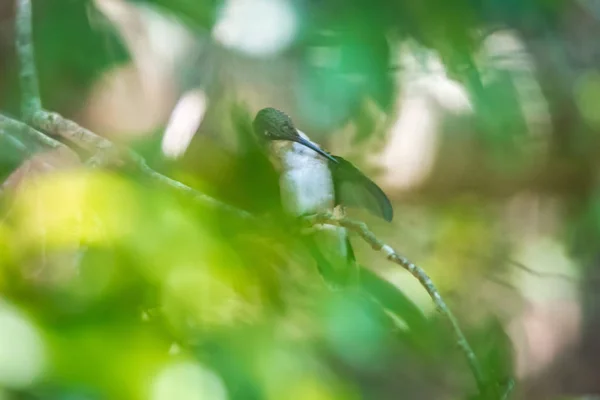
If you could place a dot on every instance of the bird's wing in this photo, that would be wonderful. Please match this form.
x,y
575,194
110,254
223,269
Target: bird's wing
x,y
354,189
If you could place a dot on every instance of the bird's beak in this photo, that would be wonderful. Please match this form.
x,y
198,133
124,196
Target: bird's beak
x,y
312,146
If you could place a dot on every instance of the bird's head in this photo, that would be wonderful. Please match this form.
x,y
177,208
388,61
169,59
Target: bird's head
x,y
271,124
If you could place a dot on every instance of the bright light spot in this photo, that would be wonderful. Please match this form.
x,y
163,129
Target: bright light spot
x,y
183,123
410,153
186,380
553,317
65,209
542,333
310,389
429,97
218,302
258,27
545,255
504,55
21,350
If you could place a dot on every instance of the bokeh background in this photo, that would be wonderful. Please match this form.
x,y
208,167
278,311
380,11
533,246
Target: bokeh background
x,y
479,118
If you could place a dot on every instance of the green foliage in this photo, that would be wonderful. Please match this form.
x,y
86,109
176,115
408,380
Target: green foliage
x,y
112,288
74,45
64,31
107,276
199,14
128,292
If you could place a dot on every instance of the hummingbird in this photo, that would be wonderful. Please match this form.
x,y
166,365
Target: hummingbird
x,y
313,181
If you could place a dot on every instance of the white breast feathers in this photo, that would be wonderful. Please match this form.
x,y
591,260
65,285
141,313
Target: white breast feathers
x,y
306,183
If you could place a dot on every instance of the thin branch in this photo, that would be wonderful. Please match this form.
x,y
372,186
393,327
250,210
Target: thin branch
x,y
56,125
197,196
106,153
21,128
30,93
543,274
369,237
13,141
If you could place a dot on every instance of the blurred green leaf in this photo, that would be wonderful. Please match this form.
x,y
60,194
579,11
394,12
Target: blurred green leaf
x,y
196,13
75,44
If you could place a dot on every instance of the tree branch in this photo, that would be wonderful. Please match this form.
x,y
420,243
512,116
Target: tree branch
x,y
106,153
12,140
416,271
30,94
13,125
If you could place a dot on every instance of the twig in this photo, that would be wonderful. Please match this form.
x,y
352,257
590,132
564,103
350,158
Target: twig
x,y
543,274
54,124
13,125
30,94
14,142
190,192
369,237
107,153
